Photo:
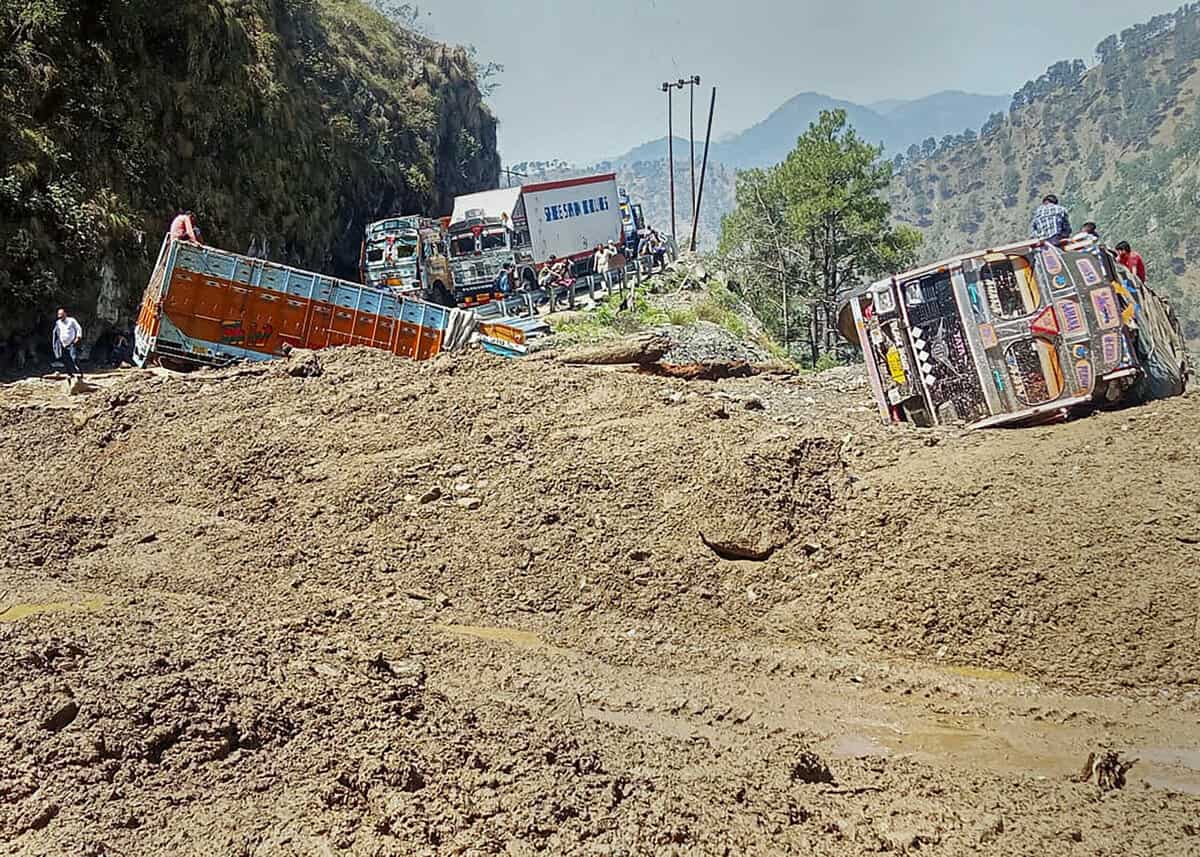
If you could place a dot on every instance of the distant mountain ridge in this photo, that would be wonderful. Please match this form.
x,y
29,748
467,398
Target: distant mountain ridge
x,y
643,170
894,124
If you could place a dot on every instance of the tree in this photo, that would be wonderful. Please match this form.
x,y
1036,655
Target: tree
x,y
807,231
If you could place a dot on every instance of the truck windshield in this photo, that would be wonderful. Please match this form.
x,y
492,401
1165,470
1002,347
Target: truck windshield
x,y
493,240
462,245
379,251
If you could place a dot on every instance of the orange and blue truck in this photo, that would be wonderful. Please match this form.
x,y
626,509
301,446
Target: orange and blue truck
x,y
210,307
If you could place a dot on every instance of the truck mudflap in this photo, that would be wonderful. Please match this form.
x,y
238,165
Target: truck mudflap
x,y
206,306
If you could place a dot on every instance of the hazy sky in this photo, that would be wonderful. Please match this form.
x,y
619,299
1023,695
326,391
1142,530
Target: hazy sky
x,y
581,79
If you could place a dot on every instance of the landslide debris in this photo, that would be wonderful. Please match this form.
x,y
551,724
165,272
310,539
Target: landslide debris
x,y
302,639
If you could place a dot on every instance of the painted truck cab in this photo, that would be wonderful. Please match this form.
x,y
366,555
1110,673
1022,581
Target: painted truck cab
x,y
408,255
1014,334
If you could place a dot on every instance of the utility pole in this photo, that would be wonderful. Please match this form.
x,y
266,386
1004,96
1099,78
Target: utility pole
x,y
699,198
667,87
509,175
694,82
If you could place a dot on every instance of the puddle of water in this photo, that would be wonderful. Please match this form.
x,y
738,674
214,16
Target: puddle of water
x,y
672,727
853,746
985,674
16,612
512,636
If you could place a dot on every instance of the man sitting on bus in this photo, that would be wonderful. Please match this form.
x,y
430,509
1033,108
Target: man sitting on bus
x,y
1050,221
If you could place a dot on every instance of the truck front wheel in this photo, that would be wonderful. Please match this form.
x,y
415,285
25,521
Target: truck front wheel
x,y
441,296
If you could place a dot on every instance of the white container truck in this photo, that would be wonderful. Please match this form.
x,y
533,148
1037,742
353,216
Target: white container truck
x,y
529,225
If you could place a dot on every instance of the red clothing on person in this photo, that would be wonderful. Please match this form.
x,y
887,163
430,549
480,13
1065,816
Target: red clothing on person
x,y
182,227
1133,261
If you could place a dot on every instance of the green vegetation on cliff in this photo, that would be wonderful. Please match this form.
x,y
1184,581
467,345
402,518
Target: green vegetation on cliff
x,y
292,122
1119,143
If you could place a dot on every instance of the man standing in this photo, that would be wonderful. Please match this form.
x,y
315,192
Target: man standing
x,y
600,262
65,340
503,284
1132,261
1050,221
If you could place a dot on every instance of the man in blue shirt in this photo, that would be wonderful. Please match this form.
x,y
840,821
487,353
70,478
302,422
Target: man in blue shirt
x,y
503,283
1050,221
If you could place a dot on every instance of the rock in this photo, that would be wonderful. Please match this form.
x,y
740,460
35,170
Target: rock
x,y
469,502
43,817
990,827
456,470
303,363
754,403
810,768
63,712
462,487
432,494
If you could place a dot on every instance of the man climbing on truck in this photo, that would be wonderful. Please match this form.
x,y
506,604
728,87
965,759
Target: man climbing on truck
x,y
1131,260
183,227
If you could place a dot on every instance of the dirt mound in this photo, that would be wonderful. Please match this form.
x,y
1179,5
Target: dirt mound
x,y
476,604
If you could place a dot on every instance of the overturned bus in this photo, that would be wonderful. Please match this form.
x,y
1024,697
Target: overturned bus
x,y
1014,335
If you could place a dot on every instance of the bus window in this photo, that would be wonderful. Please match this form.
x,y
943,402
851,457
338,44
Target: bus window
x,y
1034,370
1009,286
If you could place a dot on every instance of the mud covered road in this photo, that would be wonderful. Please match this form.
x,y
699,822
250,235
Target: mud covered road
x,y
476,606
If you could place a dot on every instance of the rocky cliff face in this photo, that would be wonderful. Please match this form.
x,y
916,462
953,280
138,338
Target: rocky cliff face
x,y
285,122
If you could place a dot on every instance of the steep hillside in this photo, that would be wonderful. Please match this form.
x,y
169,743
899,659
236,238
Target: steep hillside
x,y
289,121
1119,143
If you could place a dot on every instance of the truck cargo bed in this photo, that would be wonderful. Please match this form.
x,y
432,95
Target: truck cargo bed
x,y
212,307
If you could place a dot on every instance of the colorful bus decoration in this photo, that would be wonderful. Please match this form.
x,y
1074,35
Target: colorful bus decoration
x,y
205,306
1013,335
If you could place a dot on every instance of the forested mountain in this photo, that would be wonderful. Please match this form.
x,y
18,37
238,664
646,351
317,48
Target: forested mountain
x,y
893,124
1119,143
290,121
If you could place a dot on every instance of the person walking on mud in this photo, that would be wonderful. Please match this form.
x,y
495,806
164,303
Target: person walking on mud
x,y
65,341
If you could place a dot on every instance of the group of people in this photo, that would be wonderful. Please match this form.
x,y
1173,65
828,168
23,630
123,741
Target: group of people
x,y
608,263
1051,222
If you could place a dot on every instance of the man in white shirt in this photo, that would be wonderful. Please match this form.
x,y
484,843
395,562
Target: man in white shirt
x,y
65,340
600,261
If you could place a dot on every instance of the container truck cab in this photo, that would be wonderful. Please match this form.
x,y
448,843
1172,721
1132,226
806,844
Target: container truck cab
x,y
1013,335
407,255
632,223
527,226
481,241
